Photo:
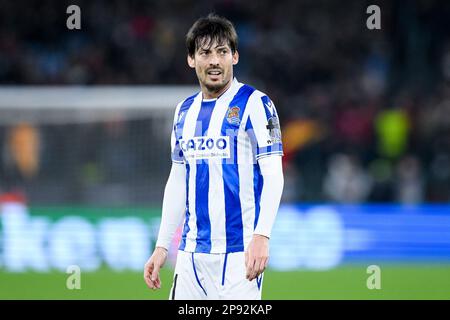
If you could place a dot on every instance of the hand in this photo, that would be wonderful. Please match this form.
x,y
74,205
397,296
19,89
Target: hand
x,y
152,267
256,256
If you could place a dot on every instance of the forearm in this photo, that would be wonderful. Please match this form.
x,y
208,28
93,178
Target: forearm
x,y
273,182
174,204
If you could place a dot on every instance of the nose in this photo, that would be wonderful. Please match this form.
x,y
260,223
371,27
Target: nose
x,y
214,59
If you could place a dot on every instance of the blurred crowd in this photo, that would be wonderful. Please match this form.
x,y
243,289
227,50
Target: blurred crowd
x,y
365,113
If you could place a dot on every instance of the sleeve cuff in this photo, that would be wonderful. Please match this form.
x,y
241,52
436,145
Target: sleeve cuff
x,y
267,154
163,243
269,150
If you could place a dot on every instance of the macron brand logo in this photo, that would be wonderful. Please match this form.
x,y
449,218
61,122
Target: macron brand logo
x,y
269,106
206,147
180,116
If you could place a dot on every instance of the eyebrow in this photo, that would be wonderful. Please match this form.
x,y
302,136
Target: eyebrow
x,y
221,46
216,47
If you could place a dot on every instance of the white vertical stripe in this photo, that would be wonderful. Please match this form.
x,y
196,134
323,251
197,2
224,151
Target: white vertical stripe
x,y
188,132
246,191
216,196
258,117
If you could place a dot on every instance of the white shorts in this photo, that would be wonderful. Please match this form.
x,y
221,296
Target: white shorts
x,y
208,276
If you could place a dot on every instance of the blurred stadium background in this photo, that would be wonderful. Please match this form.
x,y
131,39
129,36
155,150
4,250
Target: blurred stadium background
x,y
84,143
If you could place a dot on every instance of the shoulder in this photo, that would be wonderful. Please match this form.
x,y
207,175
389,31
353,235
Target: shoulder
x,y
260,95
255,96
259,100
186,103
183,106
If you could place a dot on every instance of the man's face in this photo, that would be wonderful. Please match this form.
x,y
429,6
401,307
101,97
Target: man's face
x,y
214,65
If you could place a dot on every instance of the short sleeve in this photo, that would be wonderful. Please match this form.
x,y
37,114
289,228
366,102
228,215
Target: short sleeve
x,y
263,128
176,152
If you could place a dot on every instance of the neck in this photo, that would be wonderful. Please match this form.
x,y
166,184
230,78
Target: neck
x,y
207,94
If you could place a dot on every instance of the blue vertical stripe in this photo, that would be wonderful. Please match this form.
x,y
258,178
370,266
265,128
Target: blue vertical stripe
x,y
258,182
252,136
203,243
233,210
224,269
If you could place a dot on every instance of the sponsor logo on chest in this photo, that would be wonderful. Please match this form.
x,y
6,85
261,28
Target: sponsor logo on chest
x,y
206,147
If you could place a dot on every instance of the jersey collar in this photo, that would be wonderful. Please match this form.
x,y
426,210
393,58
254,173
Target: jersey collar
x,y
231,91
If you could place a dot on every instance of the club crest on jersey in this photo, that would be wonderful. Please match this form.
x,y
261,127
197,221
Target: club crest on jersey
x,y
233,115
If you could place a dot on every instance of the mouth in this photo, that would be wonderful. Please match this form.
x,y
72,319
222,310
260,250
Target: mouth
x,y
214,72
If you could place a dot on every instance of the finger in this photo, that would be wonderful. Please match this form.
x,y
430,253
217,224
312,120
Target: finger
x,y
155,276
147,274
147,270
250,268
155,273
261,267
255,269
246,262
266,263
157,283
246,258
149,282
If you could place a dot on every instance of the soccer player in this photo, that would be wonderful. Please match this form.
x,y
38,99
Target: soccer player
x,y
226,178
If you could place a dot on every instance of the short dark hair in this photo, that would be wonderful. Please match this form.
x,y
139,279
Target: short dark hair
x,y
208,29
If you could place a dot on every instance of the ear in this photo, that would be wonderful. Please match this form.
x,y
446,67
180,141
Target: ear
x,y
235,57
191,61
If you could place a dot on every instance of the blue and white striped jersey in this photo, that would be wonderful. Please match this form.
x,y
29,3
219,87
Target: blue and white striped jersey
x,y
220,141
